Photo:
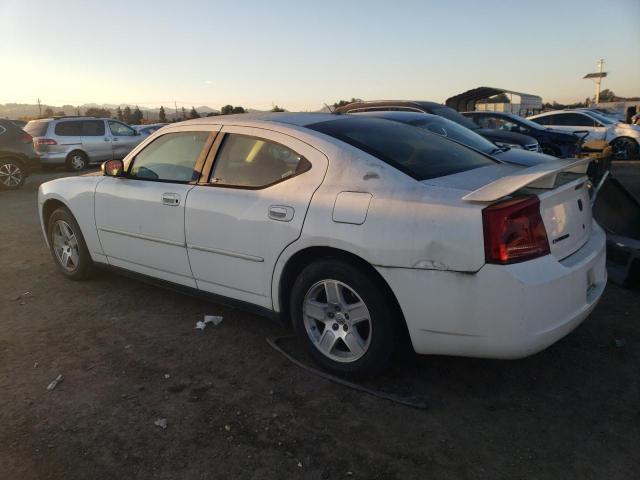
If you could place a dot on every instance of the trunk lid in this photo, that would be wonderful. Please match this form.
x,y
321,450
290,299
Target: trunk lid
x,y
560,185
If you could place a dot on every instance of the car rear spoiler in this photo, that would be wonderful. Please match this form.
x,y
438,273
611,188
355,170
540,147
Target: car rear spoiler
x,y
539,176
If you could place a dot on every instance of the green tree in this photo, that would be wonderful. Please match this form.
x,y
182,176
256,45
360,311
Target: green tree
x,y
60,113
119,114
184,114
226,110
194,113
238,110
126,114
342,103
98,112
136,117
162,115
276,108
48,112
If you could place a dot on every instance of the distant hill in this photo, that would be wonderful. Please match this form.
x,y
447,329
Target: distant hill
x,y
24,111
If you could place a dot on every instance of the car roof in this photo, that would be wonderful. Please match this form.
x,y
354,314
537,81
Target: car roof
x,y
254,119
397,115
504,114
415,104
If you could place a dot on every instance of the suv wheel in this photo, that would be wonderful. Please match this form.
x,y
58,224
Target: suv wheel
x,y
344,318
76,161
12,175
67,245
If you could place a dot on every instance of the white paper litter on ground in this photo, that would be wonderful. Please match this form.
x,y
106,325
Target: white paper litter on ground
x,y
54,383
202,324
161,422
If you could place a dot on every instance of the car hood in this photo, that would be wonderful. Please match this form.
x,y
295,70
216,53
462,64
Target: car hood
x,y
506,137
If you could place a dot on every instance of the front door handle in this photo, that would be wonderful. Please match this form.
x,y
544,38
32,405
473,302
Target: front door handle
x,y
282,213
171,199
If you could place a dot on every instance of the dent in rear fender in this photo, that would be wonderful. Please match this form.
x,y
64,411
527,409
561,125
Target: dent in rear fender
x,y
78,195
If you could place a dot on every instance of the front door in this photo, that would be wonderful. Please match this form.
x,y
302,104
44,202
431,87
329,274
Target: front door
x,y
140,218
579,122
252,208
123,138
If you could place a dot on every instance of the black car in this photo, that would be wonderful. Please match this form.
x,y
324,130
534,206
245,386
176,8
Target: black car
x,y
499,137
460,134
552,142
17,155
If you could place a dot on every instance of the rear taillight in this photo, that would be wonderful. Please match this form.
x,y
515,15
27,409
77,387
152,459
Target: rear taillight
x,y
25,138
514,231
46,141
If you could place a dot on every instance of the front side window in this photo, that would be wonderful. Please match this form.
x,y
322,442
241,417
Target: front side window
x,y
171,157
93,128
120,130
414,151
254,162
68,129
500,123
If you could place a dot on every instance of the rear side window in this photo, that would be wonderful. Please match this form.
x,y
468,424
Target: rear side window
x,y
36,129
414,151
245,161
93,128
171,157
68,129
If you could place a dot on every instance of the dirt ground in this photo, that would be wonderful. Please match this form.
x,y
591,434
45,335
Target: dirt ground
x,y
235,408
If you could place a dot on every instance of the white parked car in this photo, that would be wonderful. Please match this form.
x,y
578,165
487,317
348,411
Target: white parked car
x,y
602,130
354,228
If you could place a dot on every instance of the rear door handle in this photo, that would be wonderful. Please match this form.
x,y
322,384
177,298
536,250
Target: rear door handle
x,y
281,213
171,199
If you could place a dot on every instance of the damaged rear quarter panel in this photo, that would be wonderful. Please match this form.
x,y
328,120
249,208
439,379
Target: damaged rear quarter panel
x,y
408,224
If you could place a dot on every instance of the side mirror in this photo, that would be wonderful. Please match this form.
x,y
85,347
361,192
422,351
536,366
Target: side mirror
x,y
113,168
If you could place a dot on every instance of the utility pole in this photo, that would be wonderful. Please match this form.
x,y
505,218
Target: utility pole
x,y
39,108
597,77
175,104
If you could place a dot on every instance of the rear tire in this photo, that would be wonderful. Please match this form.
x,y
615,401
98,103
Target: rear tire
x,y
67,245
344,318
12,174
77,161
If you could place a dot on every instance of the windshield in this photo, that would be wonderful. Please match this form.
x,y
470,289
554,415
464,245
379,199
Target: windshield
x,y
36,128
451,114
414,151
600,118
452,130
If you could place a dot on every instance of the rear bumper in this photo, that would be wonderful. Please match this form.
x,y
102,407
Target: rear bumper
x,y
509,311
53,158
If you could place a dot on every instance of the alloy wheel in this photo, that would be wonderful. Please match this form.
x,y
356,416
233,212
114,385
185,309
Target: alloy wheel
x,y
65,246
77,162
10,175
623,148
337,321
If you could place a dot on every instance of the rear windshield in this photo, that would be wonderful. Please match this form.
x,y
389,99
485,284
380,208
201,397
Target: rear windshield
x,y
414,151
36,128
454,131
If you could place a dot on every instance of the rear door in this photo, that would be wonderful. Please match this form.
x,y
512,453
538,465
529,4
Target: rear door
x,y
123,138
95,140
140,218
250,207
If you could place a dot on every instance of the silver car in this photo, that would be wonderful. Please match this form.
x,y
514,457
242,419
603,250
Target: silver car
x,y
79,141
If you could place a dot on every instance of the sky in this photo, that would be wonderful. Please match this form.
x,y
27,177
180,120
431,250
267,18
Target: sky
x,y
301,54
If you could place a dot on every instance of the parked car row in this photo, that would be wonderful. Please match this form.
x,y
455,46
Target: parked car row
x,y
350,228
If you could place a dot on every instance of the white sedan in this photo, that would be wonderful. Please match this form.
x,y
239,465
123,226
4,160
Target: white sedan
x,y
353,229
601,130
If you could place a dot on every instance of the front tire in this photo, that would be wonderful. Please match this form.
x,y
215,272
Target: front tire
x,y
12,174
624,148
67,245
344,318
77,161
